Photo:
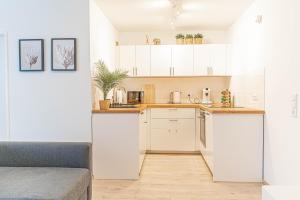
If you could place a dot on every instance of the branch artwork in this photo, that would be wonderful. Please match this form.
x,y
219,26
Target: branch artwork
x,y
65,56
31,60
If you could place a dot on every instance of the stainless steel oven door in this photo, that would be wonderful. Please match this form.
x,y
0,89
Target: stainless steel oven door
x,y
202,129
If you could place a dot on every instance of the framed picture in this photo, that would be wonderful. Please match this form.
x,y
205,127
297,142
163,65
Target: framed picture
x,y
31,55
63,54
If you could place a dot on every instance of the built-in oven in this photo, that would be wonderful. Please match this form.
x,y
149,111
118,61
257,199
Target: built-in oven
x,y
202,128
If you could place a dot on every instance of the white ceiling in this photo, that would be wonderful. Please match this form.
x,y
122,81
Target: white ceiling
x,y
157,15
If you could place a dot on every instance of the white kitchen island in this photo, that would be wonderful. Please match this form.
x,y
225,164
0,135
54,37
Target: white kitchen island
x,y
119,144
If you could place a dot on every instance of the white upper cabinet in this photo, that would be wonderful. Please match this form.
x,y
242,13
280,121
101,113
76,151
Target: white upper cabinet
x,y
161,60
218,58
142,60
173,60
127,59
183,60
210,59
201,59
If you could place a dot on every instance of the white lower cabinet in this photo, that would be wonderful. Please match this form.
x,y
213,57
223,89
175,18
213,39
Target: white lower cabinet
x,y
172,130
234,146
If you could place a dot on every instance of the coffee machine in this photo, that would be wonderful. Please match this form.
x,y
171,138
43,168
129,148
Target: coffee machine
x,y
206,96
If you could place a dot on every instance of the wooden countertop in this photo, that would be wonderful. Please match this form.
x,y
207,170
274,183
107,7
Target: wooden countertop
x,y
215,109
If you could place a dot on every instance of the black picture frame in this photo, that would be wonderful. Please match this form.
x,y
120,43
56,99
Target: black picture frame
x,y
54,66
23,68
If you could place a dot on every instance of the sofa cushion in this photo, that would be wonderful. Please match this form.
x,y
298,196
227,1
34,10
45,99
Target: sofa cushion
x,y
38,183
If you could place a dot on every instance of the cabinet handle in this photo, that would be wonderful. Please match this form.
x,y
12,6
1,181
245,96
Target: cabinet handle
x,y
170,71
173,120
136,71
145,122
173,71
173,109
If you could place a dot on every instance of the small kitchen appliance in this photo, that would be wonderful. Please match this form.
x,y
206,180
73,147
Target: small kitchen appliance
x,y
135,97
175,97
206,96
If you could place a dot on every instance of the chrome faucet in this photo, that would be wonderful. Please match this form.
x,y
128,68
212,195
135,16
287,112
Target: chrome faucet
x,y
119,98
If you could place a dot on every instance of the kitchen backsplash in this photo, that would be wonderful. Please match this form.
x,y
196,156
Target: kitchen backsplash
x,y
192,86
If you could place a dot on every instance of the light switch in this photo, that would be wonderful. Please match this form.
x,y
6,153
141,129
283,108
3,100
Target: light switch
x,y
294,103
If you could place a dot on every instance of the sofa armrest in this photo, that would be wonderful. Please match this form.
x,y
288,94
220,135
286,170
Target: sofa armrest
x,y
40,154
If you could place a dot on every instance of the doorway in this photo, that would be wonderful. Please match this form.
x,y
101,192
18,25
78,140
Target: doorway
x,y
4,125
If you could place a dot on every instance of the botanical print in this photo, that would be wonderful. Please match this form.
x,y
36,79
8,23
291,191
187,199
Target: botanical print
x,y
31,55
63,54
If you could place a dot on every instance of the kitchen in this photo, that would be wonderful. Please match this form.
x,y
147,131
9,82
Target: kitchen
x,y
180,97
207,108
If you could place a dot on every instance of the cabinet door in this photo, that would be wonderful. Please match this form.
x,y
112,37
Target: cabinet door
x,y
218,58
142,60
183,134
160,135
202,57
183,60
161,59
127,59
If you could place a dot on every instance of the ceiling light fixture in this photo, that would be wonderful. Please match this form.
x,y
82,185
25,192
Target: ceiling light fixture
x,y
176,11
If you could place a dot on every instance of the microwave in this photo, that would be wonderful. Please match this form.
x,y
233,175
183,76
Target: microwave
x,y
135,97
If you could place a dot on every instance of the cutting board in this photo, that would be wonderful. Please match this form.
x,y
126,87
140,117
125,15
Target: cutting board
x,y
149,93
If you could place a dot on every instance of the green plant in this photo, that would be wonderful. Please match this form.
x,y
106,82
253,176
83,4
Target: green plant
x,y
106,80
179,36
198,35
189,36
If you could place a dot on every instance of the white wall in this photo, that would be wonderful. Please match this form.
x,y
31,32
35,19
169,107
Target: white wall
x,y
281,40
277,49
48,106
103,37
103,43
139,38
247,83
3,90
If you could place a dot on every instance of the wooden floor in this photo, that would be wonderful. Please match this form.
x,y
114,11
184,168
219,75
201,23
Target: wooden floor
x,y
175,177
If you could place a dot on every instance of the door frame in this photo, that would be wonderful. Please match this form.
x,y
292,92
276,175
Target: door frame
x,y
4,35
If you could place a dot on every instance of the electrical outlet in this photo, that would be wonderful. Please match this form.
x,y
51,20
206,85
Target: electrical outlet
x,y
294,105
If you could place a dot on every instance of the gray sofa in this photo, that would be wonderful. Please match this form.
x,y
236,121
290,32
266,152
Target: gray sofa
x,y
39,171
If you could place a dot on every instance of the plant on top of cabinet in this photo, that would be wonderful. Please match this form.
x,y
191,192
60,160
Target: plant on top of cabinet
x,y
189,39
106,81
198,38
179,38
156,41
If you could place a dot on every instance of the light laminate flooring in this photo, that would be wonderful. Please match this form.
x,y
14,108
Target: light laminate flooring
x,y
174,177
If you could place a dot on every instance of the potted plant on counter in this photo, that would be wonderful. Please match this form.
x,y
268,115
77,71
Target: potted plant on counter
x,y
198,38
106,81
189,39
180,39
